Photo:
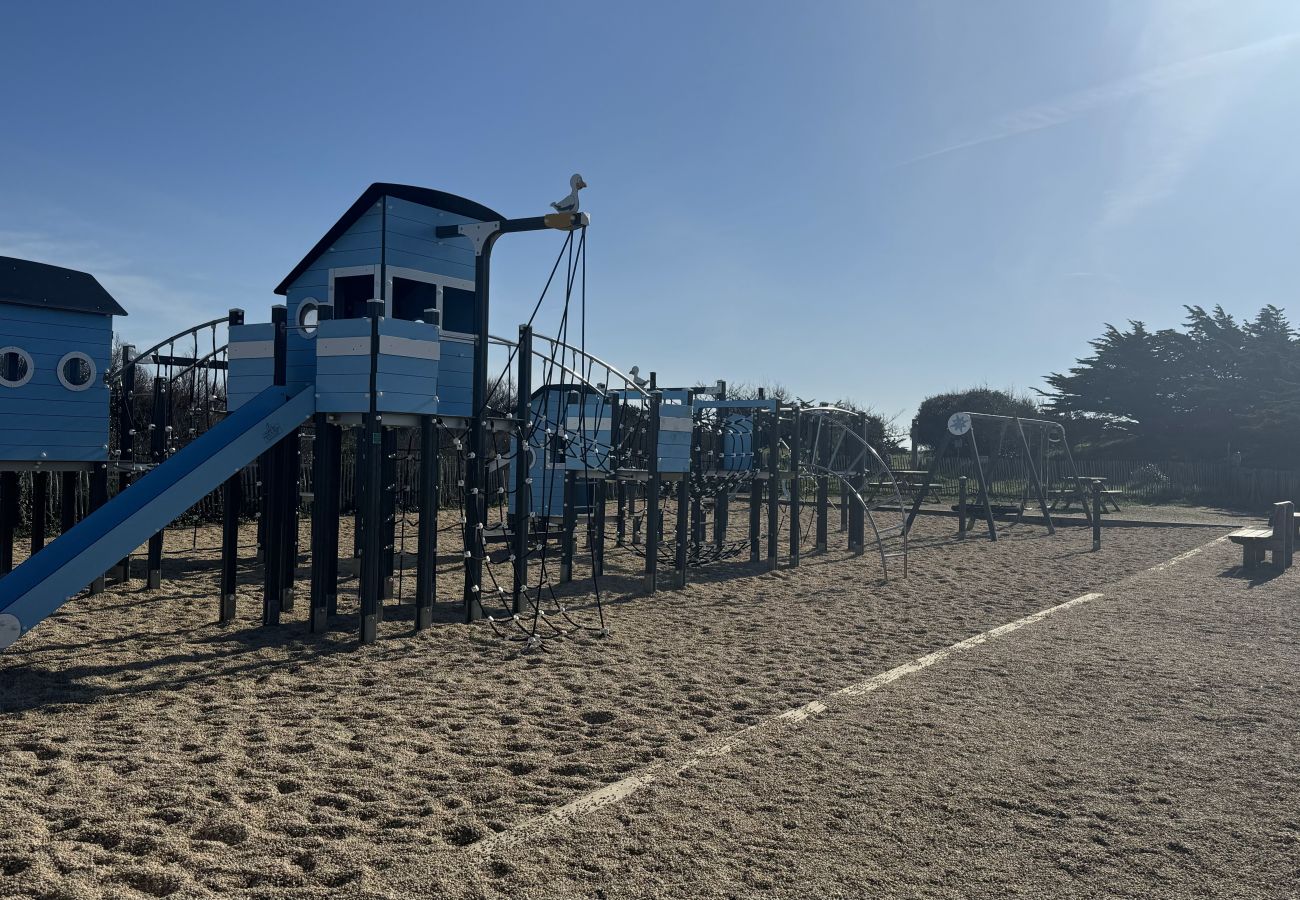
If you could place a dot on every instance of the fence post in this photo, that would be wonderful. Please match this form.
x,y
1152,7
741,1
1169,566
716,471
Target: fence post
x,y
1096,516
961,507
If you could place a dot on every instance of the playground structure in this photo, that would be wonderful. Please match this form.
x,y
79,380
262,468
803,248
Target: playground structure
x,y
383,349
1021,461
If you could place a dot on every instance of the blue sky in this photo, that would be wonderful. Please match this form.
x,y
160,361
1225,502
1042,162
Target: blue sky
x,y
874,200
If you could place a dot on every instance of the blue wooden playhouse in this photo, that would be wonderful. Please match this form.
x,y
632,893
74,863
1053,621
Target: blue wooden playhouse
x,y
56,342
383,248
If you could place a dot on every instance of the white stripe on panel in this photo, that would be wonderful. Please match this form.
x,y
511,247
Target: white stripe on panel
x,y
251,350
392,345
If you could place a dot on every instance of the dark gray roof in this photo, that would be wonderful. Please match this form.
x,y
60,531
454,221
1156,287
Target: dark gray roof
x,y
53,287
424,196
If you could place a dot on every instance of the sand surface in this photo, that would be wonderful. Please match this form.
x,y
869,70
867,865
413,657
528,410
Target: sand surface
x,y
1141,744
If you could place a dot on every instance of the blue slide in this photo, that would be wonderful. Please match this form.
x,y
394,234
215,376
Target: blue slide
x,y
47,580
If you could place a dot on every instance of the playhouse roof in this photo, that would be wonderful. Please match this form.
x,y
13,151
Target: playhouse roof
x,y
458,206
52,287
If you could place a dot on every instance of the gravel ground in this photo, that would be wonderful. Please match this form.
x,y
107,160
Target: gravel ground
x,y
1141,745
150,752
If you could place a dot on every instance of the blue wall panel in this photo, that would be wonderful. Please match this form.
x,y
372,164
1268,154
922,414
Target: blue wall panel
x,y
43,419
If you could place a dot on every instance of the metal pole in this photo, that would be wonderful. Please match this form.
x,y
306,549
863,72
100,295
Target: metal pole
x,y
984,487
523,485
1033,475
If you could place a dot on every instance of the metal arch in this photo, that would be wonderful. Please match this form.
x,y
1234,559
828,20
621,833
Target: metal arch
x,y
557,344
140,358
823,413
198,363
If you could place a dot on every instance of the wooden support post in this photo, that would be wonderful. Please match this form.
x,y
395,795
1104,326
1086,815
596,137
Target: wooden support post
x,y
98,497
569,525
773,486
617,410
40,502
126,442
796,471
272,507
389,513
961,507
597,489
1285,529
721,502
8,519
683,535
755,517
823,513
291,498
652,514
426,553
232,499
157,453
523,514
372,562
323,592
69,481
359,451
1096,516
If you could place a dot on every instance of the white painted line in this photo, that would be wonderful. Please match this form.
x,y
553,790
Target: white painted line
x,y
721,746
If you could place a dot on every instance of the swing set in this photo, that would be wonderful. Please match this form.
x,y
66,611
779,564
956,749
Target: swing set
x,y
1012,476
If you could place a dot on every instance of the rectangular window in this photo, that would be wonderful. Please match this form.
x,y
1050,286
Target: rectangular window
x,y
458,311
351,293
411,298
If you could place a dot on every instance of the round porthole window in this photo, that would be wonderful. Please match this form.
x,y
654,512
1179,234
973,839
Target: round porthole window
x,y
16,368
76,371
308,317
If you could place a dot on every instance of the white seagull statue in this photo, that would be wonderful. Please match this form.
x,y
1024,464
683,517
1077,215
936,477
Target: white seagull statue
x,y
570,203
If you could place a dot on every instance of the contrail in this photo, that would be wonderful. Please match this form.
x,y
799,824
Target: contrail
x,y
1071,106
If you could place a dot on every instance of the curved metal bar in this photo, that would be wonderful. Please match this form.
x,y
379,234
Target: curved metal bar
x,y
825,411
583,379
197,363
116,374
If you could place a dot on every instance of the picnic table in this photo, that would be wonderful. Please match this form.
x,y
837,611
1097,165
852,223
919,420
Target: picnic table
x,y
909,481
1070,493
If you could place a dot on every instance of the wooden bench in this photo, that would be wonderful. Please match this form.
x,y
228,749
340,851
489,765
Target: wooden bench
x,y
1277,539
